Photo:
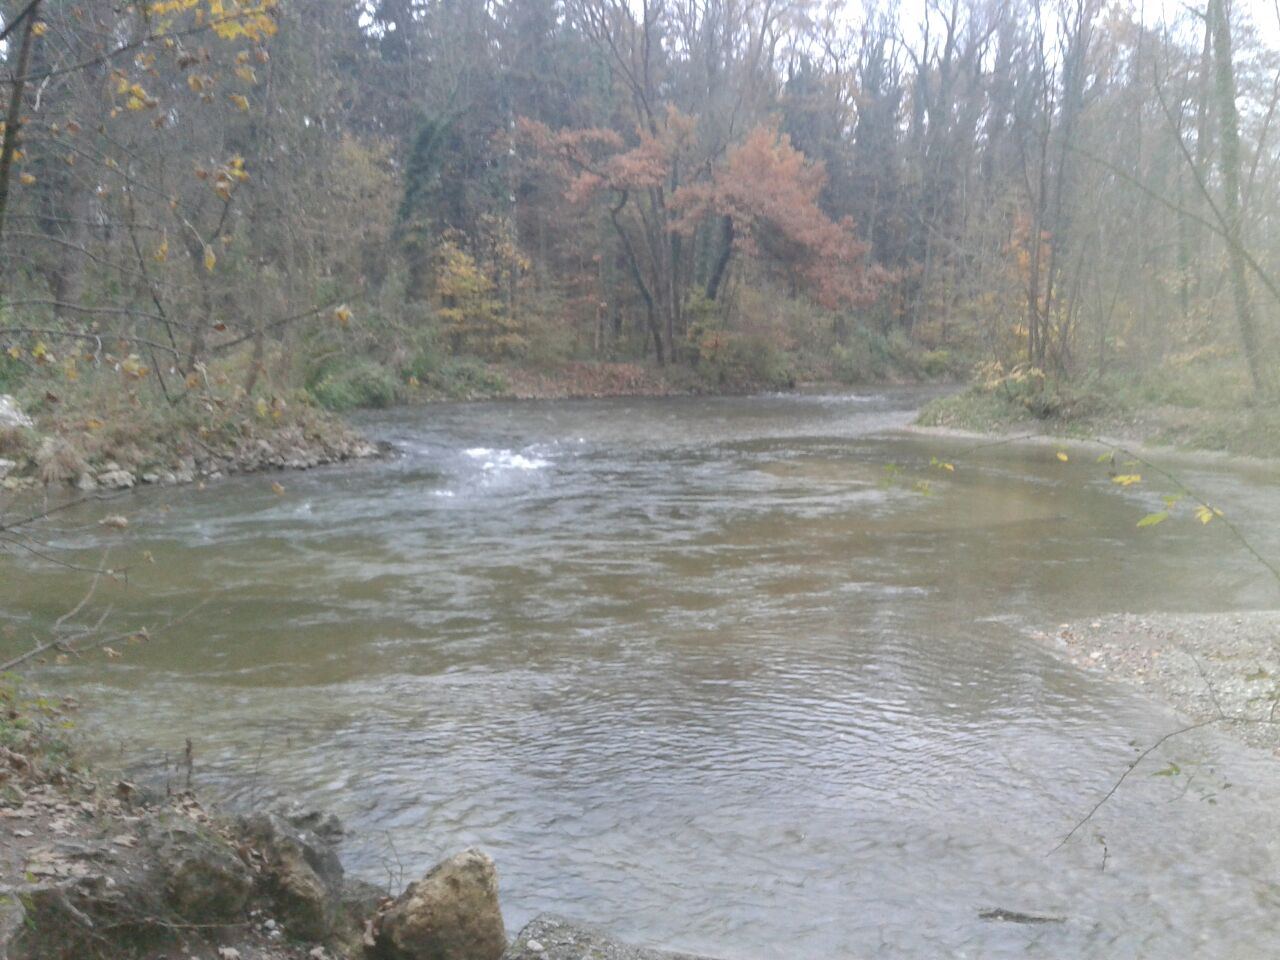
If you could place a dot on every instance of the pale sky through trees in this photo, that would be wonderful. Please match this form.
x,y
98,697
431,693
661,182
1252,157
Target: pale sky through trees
x,y
1263,14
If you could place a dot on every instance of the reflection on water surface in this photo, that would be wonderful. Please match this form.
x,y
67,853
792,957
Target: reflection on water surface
x,y
691,669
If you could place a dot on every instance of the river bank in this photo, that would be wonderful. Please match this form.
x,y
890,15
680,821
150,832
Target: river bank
x,y
95,866
1205,422
94,440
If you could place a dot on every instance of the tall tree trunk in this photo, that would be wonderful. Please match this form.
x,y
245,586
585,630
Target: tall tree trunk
x,y
1229,166
13,117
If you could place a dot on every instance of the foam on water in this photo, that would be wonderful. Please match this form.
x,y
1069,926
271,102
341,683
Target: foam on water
x,y
495,460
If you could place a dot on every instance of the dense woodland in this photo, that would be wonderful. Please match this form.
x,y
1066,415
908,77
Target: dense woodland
x,y
250,198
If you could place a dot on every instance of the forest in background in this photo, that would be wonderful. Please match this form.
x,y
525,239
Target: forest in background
x,y
225,213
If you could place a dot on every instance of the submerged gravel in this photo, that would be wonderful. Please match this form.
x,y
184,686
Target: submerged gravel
x,y
1203,665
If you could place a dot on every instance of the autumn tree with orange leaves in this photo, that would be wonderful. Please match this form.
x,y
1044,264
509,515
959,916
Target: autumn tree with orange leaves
x,y
761,199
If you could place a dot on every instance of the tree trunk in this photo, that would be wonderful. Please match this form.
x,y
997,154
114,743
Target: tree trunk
x,y
1229,166
13,118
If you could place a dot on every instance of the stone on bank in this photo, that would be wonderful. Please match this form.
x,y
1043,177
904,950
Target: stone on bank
x,y
450,914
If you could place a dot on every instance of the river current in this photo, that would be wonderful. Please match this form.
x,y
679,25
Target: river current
x,y
743,676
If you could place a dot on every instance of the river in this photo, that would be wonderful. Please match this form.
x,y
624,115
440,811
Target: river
x,y
720,674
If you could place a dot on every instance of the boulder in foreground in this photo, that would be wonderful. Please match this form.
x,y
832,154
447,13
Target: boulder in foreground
x,y
549,937
450,914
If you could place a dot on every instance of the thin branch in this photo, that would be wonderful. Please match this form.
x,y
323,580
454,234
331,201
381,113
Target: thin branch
x,y
1125,776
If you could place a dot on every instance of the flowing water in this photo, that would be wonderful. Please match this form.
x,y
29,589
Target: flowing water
x,y
709,672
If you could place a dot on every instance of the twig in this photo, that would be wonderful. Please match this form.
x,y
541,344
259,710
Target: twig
x,y
93,588
81,648
1125,776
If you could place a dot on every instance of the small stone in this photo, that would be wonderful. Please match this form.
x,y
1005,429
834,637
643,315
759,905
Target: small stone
x,y
114,478
6,466
535,946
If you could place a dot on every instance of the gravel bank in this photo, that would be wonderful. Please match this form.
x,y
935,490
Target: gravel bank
x,y
1203,665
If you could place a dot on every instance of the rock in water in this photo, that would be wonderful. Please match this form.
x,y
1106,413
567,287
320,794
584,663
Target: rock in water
x,y
548,937
450,914
11,414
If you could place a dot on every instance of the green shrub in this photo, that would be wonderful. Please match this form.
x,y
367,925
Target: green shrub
x,y
462,378
936,363
340,384
725,359
864,356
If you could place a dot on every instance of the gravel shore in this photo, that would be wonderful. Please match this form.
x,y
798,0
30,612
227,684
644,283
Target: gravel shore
x,y
1203,665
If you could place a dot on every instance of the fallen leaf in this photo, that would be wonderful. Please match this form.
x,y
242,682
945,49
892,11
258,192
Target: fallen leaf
x,y
115,521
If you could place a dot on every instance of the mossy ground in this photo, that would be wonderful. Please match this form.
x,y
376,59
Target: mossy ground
x,y
1203,408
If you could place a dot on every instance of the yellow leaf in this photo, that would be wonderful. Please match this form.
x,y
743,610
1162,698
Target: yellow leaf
x,y
277,489
26,179
1127,479
240,100
195,83
262,407
1205,514
1062,455
246,74
93,423
1151,519
39,28
161,253
40,351
342,314
210,258
15,352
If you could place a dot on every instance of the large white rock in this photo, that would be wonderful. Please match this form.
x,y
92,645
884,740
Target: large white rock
x,y
11,414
